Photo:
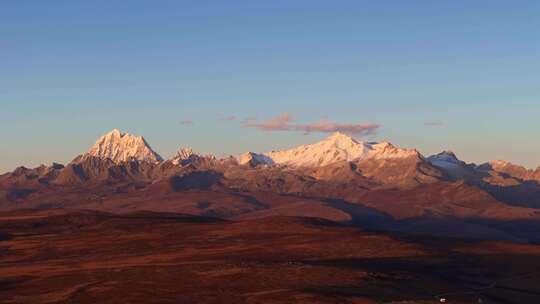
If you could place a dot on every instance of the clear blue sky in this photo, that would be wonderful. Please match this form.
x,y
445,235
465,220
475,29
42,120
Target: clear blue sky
x,y
72,70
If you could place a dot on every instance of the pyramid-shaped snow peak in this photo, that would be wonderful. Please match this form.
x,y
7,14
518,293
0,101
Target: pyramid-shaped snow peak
x,y
120,147
335,148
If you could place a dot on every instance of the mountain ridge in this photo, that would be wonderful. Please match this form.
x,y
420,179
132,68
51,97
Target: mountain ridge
x,y
123,147
376,185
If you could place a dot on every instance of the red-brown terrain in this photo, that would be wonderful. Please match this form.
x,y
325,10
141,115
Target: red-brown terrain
x,y
55,256
121,225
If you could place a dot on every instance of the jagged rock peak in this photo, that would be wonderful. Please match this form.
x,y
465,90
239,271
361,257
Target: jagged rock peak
x,y
184,153
121,147
184,156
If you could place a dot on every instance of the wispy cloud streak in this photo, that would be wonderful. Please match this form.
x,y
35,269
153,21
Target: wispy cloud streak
x,y
435,124
186,122
228,117
285,122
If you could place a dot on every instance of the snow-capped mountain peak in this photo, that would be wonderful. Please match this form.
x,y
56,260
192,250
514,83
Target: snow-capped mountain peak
x,y
335,148
341,139
447,156
445,159
121,147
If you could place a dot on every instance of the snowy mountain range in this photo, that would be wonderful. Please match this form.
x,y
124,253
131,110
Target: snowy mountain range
x,y
343,174
120,147
338,147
